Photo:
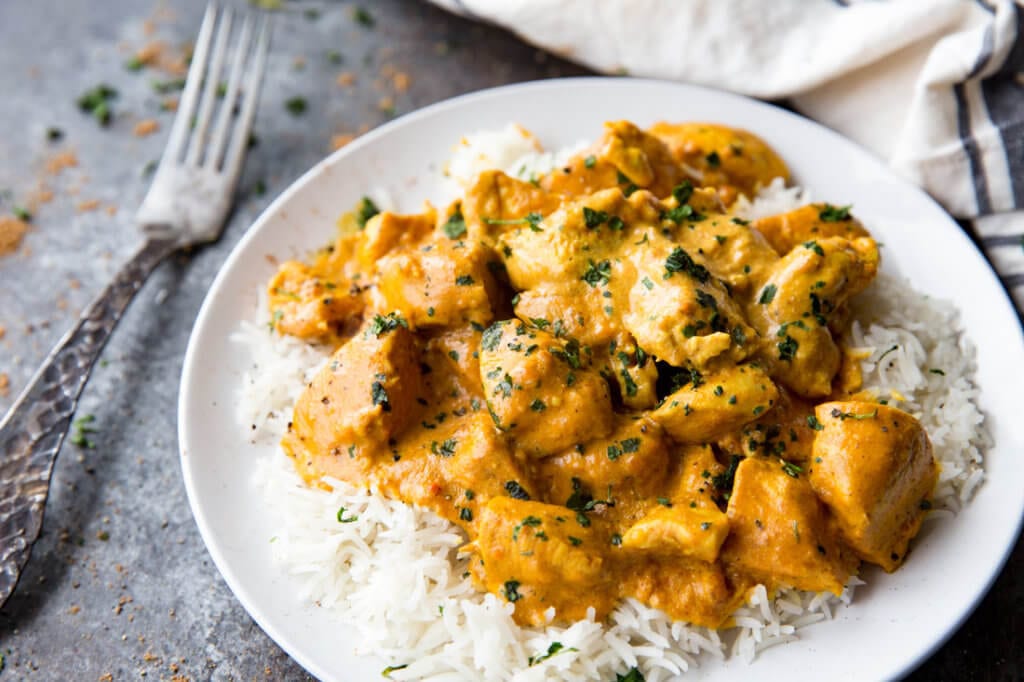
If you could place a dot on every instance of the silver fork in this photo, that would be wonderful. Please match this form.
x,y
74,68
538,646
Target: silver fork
x,y
186,205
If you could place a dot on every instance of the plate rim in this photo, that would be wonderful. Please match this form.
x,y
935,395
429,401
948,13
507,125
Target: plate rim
x,y
188,372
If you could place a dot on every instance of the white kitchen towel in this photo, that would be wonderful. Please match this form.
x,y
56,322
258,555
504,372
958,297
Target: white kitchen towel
x,y
934,86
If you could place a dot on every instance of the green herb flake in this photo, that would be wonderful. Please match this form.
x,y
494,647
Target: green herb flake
x,y
296,106
364,211
538,405
382,324
788,348
714,160
834,214
363,17
814,424
590,161
511,591
97,102
815,247
680,261
379,394
464,280
593,218
345,519
455,226
553,649
515,490
597,273
791,469
633,675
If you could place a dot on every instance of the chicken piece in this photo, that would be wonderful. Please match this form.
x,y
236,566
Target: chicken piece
x,y
685,589
784,431
678,312
793,307
733,252
452,365
364,396
873,466
387,232
786,231
706,407
780,532
695,532
496,201
537,556
453,468
574,239
700,479
308,306
441,284
625,157
539,390
570,310
733,161
628,467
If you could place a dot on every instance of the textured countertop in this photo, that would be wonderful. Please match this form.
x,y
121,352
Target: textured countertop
x,y
120,585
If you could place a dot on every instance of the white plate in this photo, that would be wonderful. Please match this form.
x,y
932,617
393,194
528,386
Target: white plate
x,y
895,621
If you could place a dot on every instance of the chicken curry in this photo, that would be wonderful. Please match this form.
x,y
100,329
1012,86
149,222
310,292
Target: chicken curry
x,y
612,383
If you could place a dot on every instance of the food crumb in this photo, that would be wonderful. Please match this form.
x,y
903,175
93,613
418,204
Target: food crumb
x,y
75,608
339,141
146,127
106,677
345,79
3,331
59,161
88,205
387,104
12,230
400,80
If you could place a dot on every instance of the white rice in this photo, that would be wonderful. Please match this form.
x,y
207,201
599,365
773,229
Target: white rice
x,y
394,573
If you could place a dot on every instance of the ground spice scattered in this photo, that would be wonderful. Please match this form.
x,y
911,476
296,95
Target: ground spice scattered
x,y
59,161
88,205
345,79
12,230
5,384
339,141
146,127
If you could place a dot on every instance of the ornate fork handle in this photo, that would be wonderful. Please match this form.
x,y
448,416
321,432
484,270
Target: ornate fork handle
x,y
32,432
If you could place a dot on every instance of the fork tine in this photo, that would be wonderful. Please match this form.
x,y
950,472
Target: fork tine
x,y
186,107
240,138
210,85
220,134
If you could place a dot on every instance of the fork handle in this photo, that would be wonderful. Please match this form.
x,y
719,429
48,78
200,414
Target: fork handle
x,y
33,430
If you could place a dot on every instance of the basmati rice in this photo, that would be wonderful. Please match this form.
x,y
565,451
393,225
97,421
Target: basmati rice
x,y
394,572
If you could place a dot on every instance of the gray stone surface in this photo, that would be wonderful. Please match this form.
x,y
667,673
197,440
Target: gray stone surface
x,y
120,582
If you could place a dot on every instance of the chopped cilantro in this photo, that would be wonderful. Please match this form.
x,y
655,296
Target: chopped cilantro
x,y
455,226
834,214
515,490
366,210
296,106
680,261
597,273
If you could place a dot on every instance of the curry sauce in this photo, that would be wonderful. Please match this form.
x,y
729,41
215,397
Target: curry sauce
x,y
612,383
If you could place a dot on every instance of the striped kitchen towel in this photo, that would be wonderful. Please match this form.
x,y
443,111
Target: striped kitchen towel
x,y
934,86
